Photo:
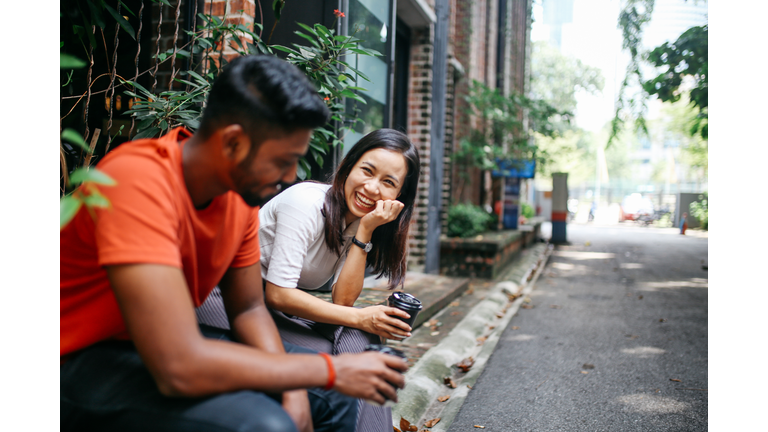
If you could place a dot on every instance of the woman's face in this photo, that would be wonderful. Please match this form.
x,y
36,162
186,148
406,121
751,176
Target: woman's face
x,y
378,175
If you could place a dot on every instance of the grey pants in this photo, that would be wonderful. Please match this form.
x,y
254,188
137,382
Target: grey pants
x,y
327,338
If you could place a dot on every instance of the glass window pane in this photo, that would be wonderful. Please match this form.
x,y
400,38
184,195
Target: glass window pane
x,y
369,21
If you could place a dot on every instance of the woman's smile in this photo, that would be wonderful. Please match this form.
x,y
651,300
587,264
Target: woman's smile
x,y
377,176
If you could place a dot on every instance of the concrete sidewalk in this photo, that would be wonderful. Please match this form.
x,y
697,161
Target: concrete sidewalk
x,y
449,351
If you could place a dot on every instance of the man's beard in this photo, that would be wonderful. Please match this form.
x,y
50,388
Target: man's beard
x,y
254,200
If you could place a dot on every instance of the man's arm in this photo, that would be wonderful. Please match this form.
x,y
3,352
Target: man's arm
x,y
252,324
160,318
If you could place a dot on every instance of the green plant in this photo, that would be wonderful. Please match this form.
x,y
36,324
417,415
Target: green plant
x,y
501,133
467,220
700,210
323,62
87,195
526,210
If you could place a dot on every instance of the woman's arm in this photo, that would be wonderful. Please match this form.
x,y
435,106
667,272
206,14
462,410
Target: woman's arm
x,y
373,319
350,283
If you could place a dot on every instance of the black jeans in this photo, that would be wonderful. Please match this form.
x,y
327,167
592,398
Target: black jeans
x,y
106,387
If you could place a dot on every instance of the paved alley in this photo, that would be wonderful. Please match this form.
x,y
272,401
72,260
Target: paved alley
x,y
614,339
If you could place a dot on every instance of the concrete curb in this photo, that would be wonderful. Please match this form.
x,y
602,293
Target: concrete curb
x,y
425,379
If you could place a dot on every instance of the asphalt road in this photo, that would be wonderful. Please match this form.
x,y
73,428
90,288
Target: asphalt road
x,y
616,340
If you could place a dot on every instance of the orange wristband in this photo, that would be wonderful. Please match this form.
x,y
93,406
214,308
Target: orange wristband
x,y
331,371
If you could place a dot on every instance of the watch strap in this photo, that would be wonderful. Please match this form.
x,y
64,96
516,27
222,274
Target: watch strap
x,y
364,246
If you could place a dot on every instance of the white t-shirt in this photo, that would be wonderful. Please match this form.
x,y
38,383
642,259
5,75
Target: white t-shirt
x,y
292,239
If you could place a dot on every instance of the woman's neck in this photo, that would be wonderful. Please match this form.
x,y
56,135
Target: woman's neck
x,y
349,218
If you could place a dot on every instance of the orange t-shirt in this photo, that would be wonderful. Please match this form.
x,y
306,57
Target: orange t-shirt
x,y
151,220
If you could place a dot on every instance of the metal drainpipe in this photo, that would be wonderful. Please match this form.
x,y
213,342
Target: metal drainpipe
x,y
437,137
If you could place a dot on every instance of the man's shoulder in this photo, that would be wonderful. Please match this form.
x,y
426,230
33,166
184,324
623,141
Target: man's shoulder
x,y
145,159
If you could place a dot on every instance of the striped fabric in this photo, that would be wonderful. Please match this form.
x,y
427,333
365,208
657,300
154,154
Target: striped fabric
x,y
321,337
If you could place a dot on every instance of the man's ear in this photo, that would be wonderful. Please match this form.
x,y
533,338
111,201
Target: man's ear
x,y
235,143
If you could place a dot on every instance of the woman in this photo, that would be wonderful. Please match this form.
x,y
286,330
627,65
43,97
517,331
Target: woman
x,y
314,234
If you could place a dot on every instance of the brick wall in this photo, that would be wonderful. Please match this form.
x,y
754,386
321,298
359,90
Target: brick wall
x,y
419,131
172,28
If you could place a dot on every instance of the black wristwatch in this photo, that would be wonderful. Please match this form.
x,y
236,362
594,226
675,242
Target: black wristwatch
x,y
364,246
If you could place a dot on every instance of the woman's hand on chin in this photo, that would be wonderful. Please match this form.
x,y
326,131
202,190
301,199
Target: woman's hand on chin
x,y
381,321
386,211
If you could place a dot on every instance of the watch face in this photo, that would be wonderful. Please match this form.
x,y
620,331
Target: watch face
x,y
368,247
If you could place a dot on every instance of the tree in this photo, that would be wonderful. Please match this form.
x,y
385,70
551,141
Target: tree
x,y
555,78
632,18
679,119
686,57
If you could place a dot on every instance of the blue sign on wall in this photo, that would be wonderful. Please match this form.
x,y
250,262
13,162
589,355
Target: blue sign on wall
x,y
515,168
511,202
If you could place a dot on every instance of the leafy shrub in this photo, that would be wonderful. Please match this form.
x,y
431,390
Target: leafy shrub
x,y
700,210
526,210
467,220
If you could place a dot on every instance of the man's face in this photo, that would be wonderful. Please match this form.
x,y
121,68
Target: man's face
x,y
257,178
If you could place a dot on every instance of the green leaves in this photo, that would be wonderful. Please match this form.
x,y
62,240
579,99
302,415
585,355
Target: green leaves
x,y
125,25
68,208
67,61
277,8
82,175
686,57
74,137
467,220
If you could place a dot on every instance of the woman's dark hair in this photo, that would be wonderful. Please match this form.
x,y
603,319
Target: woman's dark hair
x,y
388,257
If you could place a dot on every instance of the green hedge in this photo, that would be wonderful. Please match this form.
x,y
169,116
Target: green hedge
x,y
467,220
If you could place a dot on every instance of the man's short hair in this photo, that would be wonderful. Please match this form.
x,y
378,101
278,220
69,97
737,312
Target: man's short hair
x,y
266,96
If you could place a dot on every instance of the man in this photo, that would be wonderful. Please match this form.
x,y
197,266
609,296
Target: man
x,y
182,220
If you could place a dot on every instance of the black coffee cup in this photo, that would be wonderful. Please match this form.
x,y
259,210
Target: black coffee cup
x,y
407,303
385,350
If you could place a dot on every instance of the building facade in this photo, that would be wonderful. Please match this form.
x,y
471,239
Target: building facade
x,y
487,41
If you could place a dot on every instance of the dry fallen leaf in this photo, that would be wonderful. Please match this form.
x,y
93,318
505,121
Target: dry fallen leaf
x,y
454,313
480,427
454,304
434,333
675,380
639,297
449,382
482,339
588,366
444,398
515,328
406,426
499,315
432,322
466,364
512,297
469,386
662,320
584,372
527,306
430,423
396,429
491,327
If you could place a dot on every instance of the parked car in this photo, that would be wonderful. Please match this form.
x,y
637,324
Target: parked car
x,y
633,206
